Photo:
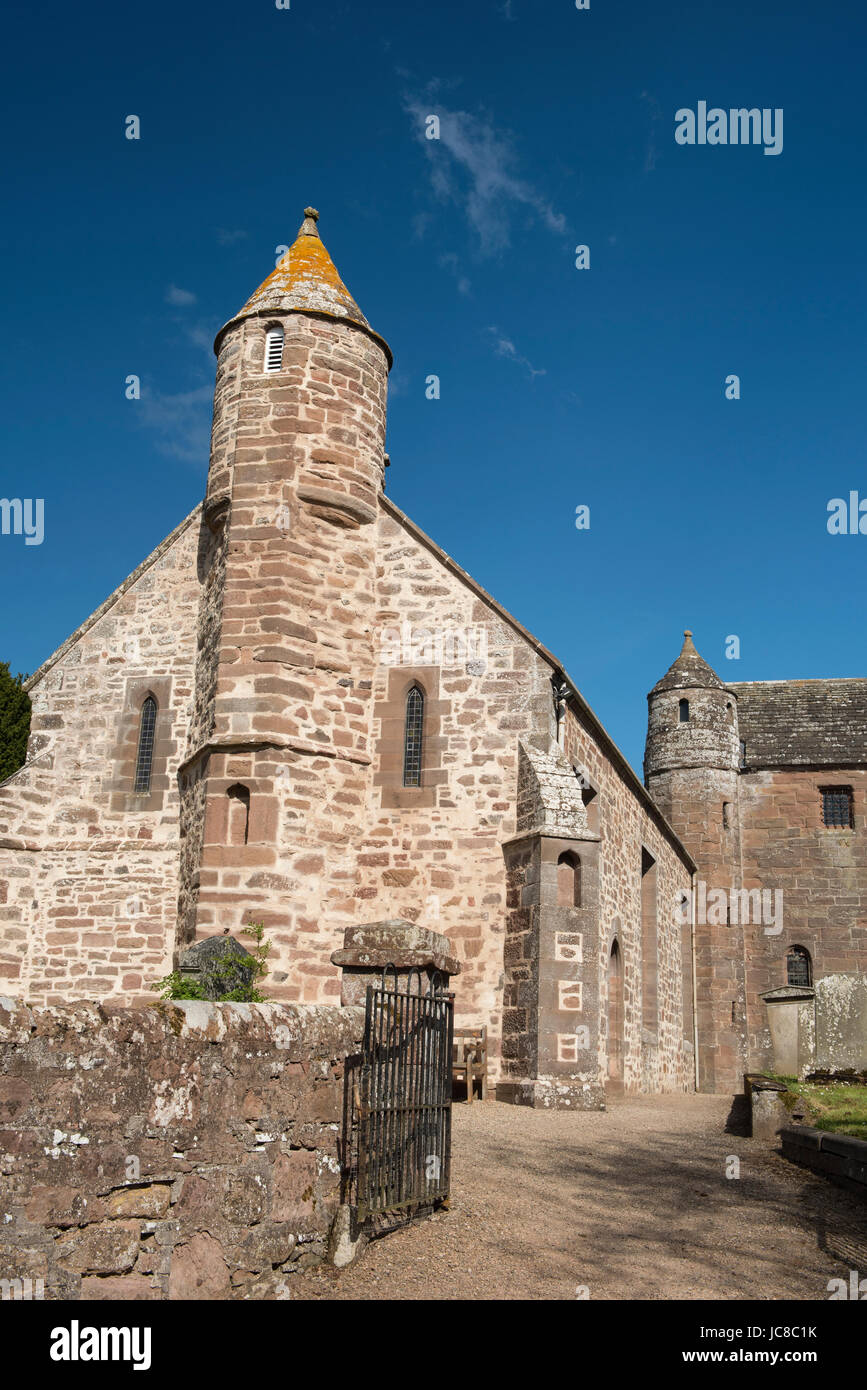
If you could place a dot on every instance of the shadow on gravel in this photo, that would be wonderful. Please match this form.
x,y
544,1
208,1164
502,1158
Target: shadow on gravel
x,y
842,1239
739,1120
665,1200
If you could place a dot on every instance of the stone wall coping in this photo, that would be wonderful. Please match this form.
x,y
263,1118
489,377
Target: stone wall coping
x,y
843,1144
752,1082
321,1029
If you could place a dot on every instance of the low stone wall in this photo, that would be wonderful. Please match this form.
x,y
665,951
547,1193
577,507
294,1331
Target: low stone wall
x,y
836,1155
181,1151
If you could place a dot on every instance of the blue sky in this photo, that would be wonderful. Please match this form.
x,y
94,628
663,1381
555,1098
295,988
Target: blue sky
x,y
559,387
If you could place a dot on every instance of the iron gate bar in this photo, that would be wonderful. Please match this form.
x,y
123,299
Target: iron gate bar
x,y
404,1106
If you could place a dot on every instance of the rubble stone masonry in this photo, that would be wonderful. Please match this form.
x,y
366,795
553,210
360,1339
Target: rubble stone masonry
x,y
264,628
275,785
659,1057
821,872
185,1151
88,871
738,771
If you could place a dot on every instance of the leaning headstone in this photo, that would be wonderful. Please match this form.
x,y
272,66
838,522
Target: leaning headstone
x,y
219,964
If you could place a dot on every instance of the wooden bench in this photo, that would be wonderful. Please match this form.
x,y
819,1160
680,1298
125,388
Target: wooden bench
x,y
470,1059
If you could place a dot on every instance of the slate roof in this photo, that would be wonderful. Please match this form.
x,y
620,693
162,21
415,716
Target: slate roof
x,y
820,723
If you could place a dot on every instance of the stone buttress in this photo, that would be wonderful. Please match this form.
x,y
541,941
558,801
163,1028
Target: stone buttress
x,y
551,1007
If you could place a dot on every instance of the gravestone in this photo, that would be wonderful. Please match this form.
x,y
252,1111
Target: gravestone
x,y
219,964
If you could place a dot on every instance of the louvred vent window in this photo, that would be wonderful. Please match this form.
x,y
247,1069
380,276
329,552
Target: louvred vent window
x,y
274,350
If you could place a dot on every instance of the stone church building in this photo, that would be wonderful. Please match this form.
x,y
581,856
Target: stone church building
x,y
299,711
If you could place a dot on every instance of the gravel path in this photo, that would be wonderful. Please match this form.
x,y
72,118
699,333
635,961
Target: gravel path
x,y
632,1203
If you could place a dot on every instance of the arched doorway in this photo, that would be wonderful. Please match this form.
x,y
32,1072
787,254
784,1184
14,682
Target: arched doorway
x,y
615,1019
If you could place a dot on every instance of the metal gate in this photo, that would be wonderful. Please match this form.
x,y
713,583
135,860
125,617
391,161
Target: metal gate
x,y
404,1097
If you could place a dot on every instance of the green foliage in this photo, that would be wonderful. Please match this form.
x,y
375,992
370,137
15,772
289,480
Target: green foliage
x,y
178,986
839,1108
14,721
259,955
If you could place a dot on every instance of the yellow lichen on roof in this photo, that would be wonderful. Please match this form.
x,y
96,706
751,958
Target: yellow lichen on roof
x,y
306,279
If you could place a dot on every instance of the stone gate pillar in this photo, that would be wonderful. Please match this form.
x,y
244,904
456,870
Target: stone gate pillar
x,y
367,950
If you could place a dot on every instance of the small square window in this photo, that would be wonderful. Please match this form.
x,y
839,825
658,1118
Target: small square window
x,y
837,807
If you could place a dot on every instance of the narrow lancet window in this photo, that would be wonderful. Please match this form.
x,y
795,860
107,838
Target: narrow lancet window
x,y
145,757
413,738
683,707
568,880
239,814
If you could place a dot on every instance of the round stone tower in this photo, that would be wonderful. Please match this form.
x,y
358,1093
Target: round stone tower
x,y
274,787
692,724
691,770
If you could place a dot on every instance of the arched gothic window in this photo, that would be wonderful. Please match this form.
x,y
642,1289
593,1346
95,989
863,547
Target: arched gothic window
x,y
145,756
683,709
799,967
412,739
274,350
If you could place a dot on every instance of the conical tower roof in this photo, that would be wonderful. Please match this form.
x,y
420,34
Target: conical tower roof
x,y
306,281
689,670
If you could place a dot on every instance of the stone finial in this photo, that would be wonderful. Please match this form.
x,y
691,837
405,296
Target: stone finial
x,y
308,226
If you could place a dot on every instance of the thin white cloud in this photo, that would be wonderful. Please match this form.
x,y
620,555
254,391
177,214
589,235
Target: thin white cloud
x,y
420,223
472,165
504,347
202,335
651,152
179,297
398,383
450,262
228,238
181,423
